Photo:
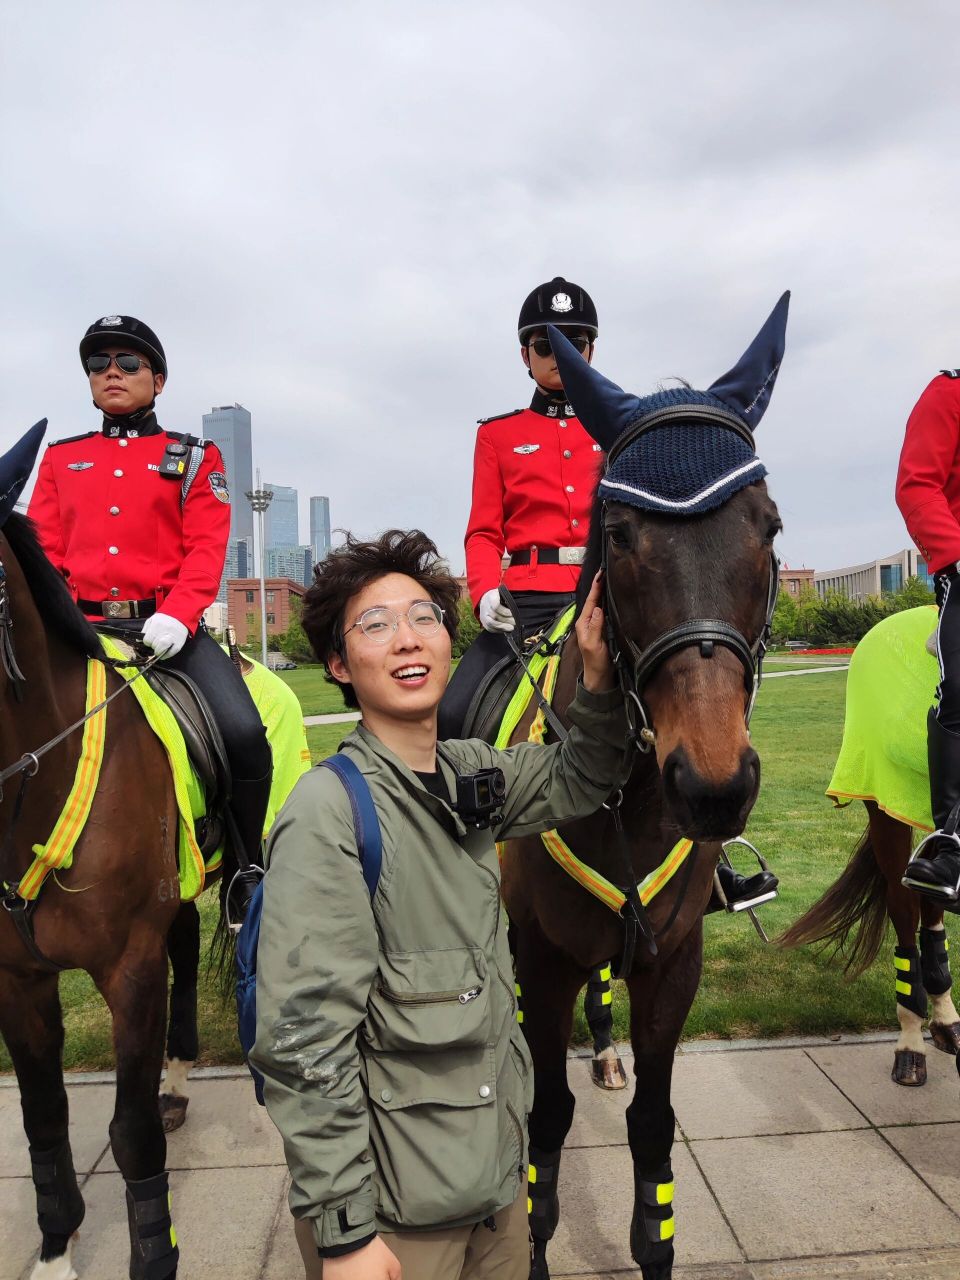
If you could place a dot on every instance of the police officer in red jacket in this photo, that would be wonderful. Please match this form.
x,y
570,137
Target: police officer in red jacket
x,y
136,519
928,495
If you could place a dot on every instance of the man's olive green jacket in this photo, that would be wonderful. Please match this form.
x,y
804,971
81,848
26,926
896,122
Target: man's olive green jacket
x,y
386,1032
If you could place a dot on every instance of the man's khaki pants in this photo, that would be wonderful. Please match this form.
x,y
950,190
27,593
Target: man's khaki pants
x,y
453,1253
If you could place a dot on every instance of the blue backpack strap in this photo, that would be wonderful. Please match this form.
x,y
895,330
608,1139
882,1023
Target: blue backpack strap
x,y
365,822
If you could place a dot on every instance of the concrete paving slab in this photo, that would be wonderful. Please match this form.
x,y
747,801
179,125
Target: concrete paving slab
x,y
726,1095
91,1108
935,1264
863,1073
596,1198
224,1127
931,1151
223,1223
19,1234
822,1194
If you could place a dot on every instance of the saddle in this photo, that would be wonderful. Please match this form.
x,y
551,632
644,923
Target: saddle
x,y
202,738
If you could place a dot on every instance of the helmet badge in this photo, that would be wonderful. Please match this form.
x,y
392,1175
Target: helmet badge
x,y
561,302
110,321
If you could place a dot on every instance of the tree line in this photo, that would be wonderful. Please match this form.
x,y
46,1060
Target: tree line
x,y
835,619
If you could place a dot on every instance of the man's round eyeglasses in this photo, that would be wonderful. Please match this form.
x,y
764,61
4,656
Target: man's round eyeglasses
x,y
380,624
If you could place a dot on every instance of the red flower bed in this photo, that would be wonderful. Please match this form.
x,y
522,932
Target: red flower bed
x,y
803,652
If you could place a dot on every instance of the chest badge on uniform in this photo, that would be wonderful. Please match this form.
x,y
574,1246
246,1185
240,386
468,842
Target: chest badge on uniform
x,y
525,448
79,466
218,483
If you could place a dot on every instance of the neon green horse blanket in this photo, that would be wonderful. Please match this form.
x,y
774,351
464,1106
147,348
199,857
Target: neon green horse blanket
x,y
890,688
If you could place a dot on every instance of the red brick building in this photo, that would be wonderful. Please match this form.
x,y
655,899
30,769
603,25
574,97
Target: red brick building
x,y
792,581
243,606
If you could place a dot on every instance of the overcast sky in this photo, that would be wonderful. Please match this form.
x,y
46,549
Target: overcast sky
x,y
332,212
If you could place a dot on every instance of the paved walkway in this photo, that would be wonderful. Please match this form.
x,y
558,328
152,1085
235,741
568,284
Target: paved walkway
x,y
796,1161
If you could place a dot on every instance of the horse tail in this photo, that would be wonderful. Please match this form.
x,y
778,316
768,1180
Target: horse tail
x,y
851,917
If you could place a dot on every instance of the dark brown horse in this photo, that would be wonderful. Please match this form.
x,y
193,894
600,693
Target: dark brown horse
x,y
109,913
884,737
689,598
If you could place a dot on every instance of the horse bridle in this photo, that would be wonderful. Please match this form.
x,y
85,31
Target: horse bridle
x,y
636,666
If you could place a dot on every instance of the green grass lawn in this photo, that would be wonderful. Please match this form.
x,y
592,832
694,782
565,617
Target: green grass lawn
x,y
317,695
747,988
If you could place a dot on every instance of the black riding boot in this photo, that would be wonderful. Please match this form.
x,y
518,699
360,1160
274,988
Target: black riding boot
x,y
248,810
936,872
740,891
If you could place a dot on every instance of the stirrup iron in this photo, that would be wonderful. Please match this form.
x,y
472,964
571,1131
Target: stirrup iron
x,y
747,904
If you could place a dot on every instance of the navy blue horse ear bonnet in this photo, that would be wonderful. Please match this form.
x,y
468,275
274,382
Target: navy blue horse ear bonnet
x,y
16,465
679,451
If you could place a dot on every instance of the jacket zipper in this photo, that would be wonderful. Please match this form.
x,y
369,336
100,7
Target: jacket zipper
x,y
435,997
518,1130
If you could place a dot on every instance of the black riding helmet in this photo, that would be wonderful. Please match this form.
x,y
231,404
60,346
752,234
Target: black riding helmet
x,y
123,331
561,303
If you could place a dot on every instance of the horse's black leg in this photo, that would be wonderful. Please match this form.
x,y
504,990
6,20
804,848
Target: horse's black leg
x,y
606,1069
136,991
183,948
32,1026
659,1003
549,984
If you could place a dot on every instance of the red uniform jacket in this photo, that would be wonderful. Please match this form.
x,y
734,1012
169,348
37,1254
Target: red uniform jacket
x,y
118,529
534,477
928,480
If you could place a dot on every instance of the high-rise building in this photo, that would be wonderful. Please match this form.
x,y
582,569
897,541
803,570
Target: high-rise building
x,y
281,523
319,528
294,562
229,427
238,564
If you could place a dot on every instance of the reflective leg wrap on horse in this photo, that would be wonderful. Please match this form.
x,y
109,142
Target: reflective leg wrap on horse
x,y
543,1201
598,1008
652,1228
934,961
153,1241
60,1206
910,989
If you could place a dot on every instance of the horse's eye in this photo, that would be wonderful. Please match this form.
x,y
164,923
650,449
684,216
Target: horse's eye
x,y
775,528
619,536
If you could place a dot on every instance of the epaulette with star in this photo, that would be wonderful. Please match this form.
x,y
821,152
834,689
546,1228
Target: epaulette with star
x,y
84,435
511,413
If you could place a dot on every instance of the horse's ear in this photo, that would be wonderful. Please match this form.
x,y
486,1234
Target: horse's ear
x,y
603,407
746,387
16,465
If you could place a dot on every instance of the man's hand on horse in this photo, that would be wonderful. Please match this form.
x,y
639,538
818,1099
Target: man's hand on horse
x,y
494,615
598,672
166,636
375,1261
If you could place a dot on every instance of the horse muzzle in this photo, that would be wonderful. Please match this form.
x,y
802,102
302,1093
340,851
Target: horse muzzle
x,y
708,808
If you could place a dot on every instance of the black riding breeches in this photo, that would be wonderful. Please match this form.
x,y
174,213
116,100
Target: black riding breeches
x,y
537,609
947,708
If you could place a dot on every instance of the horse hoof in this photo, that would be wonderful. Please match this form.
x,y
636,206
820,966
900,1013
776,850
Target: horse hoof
x,y
909,1068
173,1111
608,1073
57,1268
946,1036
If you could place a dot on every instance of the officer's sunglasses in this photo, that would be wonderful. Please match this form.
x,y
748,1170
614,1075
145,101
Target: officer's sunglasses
x,y
124,362
543,348
380,624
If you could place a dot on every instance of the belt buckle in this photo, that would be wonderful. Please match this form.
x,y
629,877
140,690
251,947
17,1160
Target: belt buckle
x,y
118,609
571,555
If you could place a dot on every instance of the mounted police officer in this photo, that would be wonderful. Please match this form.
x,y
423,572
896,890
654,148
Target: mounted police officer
x,y
928,495
136,519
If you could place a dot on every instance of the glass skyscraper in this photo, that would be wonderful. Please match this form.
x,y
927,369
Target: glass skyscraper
x,y
319,528
230,428
281,519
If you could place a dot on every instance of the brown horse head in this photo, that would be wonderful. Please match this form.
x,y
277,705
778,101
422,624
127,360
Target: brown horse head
x,y
664,574
683,528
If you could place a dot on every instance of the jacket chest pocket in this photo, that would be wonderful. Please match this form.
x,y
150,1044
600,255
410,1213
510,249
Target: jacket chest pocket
x,y
422,1001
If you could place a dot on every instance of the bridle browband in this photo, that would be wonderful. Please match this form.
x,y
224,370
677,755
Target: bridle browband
x,y
635,666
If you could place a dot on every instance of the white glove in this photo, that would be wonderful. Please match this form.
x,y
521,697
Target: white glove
x,y
166,636
494,615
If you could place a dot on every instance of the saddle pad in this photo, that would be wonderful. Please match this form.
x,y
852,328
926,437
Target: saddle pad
x,y
890,688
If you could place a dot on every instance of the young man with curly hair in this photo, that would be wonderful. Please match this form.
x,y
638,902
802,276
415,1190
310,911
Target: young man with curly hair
x,y
387,1031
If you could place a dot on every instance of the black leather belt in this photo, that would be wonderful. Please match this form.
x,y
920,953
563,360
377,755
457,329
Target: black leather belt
x,y
120,608
548,555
